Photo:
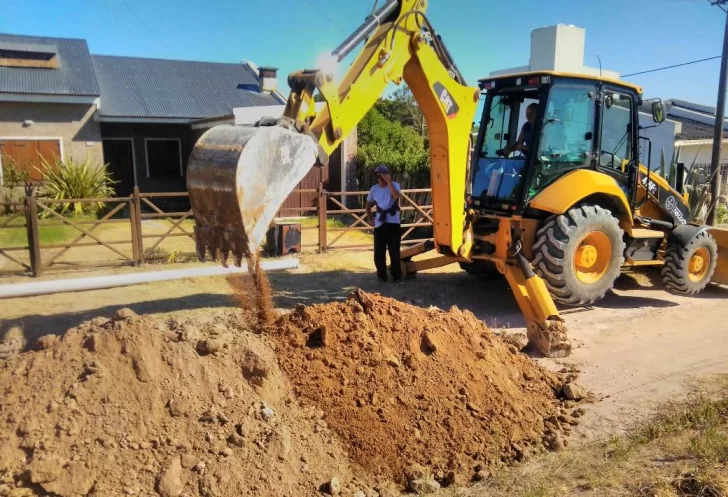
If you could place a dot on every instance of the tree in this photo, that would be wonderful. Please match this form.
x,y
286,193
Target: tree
x,y
401,107
382,140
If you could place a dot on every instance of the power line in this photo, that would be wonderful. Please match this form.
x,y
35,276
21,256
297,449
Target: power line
x,y
146,26
673,66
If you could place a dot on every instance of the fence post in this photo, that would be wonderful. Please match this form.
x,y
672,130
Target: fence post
x,y
137,226
134,233
322,200
31,222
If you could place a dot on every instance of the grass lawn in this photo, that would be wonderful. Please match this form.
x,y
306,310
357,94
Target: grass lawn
x,y
18,236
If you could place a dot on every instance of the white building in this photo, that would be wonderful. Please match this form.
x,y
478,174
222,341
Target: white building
x,y
558,48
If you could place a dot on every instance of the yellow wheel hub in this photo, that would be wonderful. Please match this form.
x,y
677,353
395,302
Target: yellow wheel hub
x,y
699,264
592,258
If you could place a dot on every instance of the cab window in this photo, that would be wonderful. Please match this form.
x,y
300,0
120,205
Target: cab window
x,y
496,129
616,150
567,134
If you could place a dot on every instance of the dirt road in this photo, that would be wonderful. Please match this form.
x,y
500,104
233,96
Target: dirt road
x,y
639,346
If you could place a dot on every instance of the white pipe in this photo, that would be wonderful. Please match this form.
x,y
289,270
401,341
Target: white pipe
x,y
116,280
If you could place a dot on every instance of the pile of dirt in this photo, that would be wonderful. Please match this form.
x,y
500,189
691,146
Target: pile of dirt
x,y
137,406
408,388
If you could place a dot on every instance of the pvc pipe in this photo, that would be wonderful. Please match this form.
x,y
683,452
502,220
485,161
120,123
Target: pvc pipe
x,y
117,280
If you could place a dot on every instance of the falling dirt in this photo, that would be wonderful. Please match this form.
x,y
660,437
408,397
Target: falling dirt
x,y
136,406
253,292
403,385
263,294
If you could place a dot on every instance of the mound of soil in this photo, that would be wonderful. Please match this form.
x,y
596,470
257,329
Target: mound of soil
x,y
403,385
135,406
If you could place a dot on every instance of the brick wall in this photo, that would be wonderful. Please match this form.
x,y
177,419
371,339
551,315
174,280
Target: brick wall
x,y
73,123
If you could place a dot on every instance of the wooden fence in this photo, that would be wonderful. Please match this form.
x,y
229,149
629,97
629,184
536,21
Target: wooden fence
x,y
128,220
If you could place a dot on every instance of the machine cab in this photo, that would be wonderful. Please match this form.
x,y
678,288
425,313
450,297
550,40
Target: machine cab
x,y
538,127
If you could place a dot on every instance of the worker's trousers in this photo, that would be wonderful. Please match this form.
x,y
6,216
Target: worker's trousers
x,y
387,237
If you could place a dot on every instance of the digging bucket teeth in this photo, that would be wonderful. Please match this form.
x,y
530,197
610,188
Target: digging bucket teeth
x,y
238,178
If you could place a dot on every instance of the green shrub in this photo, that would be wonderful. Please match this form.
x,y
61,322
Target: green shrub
x,y
12,174
722,214
68,179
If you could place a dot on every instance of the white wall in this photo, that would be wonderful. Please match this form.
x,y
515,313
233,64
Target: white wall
x,y
662,137
701,153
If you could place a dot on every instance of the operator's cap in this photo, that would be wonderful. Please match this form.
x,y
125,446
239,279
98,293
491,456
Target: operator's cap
x,y
382,169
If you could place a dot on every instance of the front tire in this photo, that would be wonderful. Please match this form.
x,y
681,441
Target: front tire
x,y
688,270
580,254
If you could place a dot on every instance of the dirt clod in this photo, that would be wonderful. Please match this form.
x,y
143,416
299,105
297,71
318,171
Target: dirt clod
x,y
334,486
170,481
255,370
518,340
424,486
124,314
572,391
47,342
189,461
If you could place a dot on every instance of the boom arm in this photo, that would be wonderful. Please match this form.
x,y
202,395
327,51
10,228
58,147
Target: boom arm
x,y
402,46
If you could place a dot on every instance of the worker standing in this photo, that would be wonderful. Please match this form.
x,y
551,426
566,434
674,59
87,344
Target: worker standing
x,y
384,199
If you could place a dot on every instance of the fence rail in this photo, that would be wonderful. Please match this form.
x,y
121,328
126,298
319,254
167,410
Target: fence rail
x,y
133,229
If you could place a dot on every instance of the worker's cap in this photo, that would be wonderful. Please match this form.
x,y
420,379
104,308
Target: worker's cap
x,y
381,170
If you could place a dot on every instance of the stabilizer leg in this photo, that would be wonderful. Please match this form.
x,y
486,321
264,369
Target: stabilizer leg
x,y
546,329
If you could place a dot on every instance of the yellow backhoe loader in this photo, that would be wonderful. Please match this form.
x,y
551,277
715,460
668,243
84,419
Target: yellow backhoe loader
x,y
558,206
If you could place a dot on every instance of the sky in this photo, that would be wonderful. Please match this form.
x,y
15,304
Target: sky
x,y
628,35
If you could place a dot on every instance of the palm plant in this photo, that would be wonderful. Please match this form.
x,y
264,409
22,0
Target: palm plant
x,y
71,179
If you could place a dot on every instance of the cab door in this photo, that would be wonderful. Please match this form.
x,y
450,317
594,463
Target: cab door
x,y
618,153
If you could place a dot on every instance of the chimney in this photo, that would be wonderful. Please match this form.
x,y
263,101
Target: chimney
x,y
268,79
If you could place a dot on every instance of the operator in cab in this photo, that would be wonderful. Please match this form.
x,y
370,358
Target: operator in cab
x,y
384,198
524,139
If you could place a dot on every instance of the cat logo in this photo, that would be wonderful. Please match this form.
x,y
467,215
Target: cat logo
x,y
446,100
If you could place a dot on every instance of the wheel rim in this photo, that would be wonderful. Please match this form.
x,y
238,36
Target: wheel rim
x,y
699,264
592,257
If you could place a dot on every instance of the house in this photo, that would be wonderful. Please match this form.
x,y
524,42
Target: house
x,y
49,96
694,144
141,116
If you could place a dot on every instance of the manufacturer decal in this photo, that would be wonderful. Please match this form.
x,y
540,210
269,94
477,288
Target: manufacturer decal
x,y
650,185
666,199
446,100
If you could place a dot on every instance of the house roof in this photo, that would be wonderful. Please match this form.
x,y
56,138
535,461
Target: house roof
x,y
161,88
694,130
73,76
691,128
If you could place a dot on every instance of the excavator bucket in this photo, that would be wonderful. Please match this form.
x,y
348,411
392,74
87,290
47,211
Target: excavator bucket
x,y
721,269
238,178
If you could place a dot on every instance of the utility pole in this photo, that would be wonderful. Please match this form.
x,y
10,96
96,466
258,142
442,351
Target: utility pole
x,y
719,120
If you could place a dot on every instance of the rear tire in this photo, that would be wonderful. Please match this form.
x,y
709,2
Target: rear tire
x,y
483,270
580,254
688,270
